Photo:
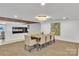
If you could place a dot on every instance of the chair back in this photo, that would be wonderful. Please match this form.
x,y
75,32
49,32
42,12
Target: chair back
x,y
43,37
29,41
48,38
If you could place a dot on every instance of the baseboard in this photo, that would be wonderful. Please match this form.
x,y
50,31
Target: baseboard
x,y
18,40
12,41
68,41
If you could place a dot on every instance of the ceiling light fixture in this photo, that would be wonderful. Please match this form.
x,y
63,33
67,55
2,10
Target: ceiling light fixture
x,y
42,18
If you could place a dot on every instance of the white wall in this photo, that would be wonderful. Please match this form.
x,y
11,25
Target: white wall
x,y
45,27
35,27
69,30
10,37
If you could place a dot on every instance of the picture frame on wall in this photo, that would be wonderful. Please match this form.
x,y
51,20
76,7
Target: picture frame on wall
x,y
55,28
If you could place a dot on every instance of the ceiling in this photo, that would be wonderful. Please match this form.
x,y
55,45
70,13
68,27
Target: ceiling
x,y
27,11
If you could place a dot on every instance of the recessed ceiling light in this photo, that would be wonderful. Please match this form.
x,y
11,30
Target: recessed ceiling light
x,y
15,16
64,18
43,3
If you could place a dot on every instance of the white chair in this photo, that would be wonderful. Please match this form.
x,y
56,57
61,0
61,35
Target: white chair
x,y
29,43
48,39
42,41
52,38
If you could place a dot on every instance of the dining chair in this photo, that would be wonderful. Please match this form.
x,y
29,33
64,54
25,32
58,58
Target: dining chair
x,y
48,39
53,37
42,41
29,43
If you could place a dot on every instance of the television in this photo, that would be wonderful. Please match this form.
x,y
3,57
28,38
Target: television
x,y
19,30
